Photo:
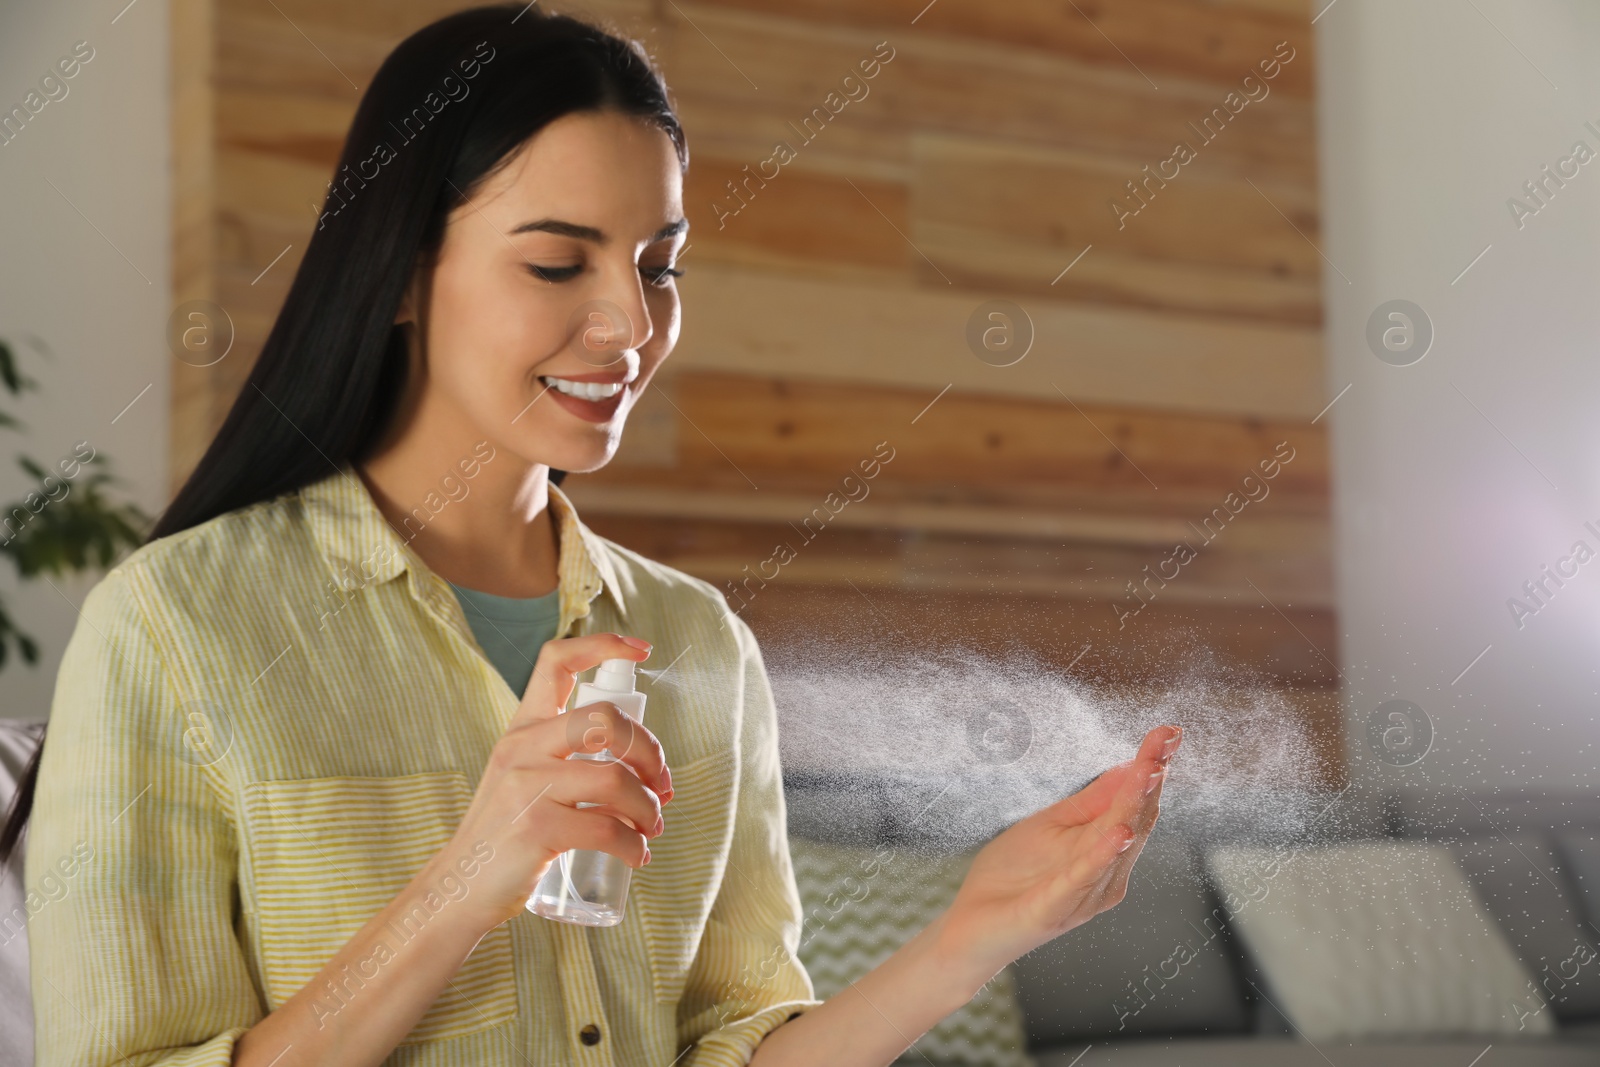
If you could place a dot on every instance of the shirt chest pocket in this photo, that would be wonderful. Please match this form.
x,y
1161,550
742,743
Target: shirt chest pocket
x,y
327,854
688,861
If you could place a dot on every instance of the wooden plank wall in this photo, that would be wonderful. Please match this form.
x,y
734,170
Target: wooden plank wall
x,y
827,308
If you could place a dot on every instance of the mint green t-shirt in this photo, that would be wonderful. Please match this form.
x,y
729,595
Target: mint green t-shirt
x,y
511,630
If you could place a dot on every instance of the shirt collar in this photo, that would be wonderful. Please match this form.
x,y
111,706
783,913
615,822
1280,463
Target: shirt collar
x,y
362,549
585,566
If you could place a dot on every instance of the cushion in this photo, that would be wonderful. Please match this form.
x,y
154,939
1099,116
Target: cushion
x,y
1160,962
1375,939
1580,849
17,743
1526,888
860,904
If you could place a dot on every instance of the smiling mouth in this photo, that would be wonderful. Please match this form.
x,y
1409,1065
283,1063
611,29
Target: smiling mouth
x,y
582,390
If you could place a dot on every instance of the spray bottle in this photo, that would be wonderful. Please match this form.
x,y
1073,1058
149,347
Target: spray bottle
x,y
591,888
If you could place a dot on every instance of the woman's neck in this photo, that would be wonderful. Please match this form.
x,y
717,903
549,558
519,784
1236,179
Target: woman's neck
x,y
482,523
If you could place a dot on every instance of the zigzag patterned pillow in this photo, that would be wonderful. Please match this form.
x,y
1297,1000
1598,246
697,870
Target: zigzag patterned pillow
x,y
861,904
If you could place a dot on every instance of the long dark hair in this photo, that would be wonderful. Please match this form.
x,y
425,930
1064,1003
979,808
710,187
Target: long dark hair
x,y
450,104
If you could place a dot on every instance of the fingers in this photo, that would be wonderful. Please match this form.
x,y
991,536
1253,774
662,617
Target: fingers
x,y
1139,805
1121,805
603,727
1140,784
1090,870
1100,799
1160,744
610,786
602,832
1090,802
589,729
561,661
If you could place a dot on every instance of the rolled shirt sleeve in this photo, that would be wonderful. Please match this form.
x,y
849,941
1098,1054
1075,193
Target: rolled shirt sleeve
x,y
132,860
746,980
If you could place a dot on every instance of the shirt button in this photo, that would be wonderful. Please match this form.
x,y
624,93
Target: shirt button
x,y
589,1035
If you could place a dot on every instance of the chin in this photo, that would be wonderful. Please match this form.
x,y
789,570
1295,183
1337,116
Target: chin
x,y
577,459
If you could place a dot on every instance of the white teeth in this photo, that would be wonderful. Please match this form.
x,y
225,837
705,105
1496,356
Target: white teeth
x,y
584,390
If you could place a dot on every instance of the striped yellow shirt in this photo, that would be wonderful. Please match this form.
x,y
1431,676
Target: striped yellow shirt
x,y
265,725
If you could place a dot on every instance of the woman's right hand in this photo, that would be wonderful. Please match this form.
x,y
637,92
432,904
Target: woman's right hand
x,y
525,814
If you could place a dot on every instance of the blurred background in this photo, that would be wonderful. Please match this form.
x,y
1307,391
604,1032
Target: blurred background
x,y
1088,270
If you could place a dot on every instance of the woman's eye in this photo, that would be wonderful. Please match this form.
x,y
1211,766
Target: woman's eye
x,y
555,274
660,275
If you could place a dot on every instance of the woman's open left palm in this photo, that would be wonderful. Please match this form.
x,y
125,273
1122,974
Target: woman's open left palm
x,y
1064,864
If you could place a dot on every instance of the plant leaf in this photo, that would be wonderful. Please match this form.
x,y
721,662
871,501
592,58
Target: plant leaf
x,y
11,375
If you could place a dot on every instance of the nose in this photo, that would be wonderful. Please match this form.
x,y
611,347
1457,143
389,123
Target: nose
x,y
608,327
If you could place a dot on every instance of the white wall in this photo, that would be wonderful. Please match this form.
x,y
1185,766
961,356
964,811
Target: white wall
x,y
1430,120
105,147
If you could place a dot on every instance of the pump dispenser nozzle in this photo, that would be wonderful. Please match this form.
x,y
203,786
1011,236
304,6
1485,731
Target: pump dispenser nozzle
x,y
615,676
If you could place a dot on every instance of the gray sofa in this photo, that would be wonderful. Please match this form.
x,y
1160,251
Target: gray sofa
x,y
1532,859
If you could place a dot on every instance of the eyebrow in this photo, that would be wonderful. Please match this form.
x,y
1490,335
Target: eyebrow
x,y
590,233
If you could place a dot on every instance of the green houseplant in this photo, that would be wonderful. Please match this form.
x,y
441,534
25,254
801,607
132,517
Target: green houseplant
x,y
67,524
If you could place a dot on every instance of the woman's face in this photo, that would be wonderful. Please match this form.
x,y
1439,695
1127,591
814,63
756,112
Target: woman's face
x,y
553,298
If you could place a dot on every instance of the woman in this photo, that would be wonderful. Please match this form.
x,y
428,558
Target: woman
x,y
289,786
